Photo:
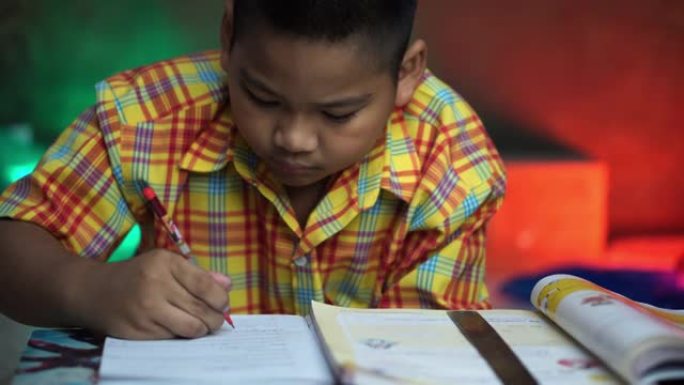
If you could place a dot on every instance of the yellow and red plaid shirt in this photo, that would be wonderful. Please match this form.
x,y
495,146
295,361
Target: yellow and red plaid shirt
x,y
402,228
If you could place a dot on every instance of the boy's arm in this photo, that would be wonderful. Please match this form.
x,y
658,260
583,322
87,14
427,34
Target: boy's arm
x,y
38,275
53,270
45,285
452,273
158,295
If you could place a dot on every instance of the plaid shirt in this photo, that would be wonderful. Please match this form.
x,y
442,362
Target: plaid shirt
x,y
404,227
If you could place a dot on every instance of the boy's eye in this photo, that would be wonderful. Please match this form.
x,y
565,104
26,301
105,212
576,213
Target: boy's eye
x,y
261,102
339,118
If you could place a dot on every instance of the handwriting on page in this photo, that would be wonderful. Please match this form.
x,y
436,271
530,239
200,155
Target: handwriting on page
x,y
262,348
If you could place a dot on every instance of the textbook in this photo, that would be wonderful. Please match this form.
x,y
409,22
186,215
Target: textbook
x,y
579,333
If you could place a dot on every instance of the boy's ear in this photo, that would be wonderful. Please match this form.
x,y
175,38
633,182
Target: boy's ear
x,y
226,34
410,72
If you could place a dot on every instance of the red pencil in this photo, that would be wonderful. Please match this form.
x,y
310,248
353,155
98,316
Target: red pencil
x,y
173,232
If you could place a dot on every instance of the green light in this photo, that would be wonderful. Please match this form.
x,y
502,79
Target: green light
x,y
15,172
128,247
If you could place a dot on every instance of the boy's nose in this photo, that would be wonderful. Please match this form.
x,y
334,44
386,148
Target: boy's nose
x,y
296,135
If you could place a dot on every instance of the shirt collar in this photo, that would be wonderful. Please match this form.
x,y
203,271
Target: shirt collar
x,y
402,165
393,165
214,147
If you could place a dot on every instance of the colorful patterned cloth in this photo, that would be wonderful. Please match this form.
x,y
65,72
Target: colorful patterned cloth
x,y
60,357
402,228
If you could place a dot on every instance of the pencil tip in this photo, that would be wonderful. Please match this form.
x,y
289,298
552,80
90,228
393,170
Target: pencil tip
x,y
226,317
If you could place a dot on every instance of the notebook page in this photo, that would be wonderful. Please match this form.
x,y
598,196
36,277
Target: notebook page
x,y
262,348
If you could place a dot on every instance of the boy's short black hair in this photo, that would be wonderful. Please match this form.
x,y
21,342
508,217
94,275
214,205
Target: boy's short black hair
x,y
385,25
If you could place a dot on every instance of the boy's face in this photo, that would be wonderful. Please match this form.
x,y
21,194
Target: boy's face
x,y
308,108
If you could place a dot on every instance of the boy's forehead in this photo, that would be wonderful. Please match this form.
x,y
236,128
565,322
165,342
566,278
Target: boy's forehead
x,y
288,58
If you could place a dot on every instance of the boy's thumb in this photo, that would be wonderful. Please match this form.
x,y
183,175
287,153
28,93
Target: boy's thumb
x,y
221,279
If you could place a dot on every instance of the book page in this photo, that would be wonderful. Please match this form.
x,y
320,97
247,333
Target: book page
x,y
676,316
626,336
405,346
262,348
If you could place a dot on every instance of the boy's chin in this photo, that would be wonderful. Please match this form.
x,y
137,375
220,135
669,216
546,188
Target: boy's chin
x,y
300,183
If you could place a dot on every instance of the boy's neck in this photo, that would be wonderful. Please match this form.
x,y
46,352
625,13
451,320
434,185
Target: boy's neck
x,y
304,199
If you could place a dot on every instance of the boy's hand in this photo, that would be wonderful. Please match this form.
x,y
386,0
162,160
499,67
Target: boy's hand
x,y
156,295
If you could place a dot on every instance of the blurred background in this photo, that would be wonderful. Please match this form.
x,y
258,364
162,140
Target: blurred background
x,y
583,98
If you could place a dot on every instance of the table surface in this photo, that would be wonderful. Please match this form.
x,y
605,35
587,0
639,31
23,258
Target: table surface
x,y
60,356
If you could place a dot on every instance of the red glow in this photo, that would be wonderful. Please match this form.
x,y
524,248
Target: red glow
x,y
554,212
680,273
555,216
604,78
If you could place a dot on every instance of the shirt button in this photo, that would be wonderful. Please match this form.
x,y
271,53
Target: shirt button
x,y
301,261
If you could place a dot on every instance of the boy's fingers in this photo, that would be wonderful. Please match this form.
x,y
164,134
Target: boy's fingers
x,y
185,301
183,324
222,280
147,331
200,284
158,332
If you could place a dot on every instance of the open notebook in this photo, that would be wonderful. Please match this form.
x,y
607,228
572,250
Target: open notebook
x,y
404,346
263,349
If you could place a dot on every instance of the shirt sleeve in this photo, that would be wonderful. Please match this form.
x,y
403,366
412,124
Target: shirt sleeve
x,y
73,192
452,273
441,263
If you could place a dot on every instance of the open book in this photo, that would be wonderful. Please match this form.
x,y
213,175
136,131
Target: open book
x,y
605,338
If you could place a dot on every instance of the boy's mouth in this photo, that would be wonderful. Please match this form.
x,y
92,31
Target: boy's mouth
x,y
289,167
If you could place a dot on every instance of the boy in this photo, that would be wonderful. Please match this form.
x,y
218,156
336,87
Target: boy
x,y
314,158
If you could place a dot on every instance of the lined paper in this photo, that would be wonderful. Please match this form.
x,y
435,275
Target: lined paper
x,y
263,348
